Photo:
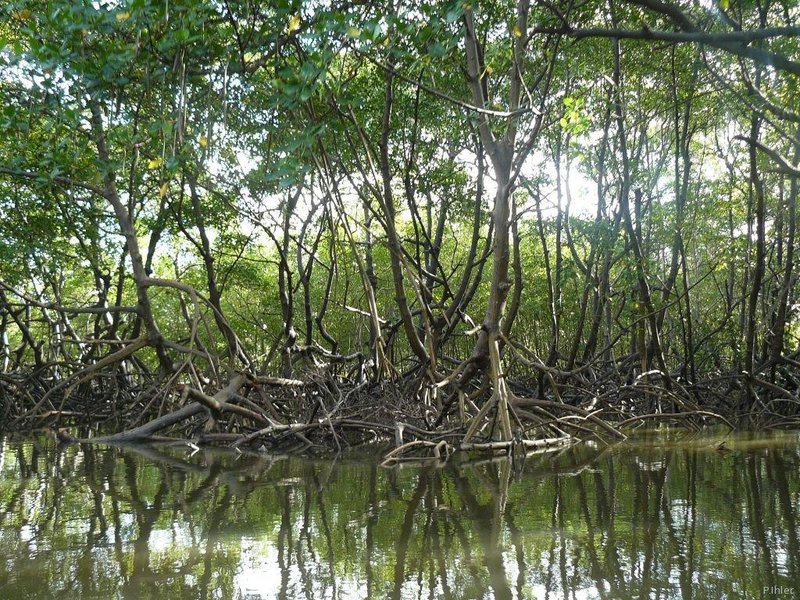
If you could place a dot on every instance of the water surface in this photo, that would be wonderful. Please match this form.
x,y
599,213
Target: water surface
x,y
669,517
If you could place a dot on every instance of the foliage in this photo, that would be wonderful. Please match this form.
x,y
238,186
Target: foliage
x,y
315,180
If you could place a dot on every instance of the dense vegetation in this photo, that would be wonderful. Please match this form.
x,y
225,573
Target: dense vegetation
x,y
294,221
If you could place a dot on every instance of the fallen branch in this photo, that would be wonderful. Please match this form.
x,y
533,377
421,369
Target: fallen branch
x,y
143,432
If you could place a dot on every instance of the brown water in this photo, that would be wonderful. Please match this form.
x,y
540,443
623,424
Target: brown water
x,y
669,517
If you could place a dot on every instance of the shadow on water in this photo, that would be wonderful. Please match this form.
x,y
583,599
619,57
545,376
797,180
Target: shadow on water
x,y
660,519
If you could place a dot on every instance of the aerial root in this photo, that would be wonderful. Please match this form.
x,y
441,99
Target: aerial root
x,y
323,412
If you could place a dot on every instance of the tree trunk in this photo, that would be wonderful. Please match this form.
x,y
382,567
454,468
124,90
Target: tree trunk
x,y
125,221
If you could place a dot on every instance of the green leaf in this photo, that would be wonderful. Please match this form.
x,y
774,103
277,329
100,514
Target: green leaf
x,y
454,14
437,50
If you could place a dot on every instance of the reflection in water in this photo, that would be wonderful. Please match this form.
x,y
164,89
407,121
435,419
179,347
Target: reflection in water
x,y
655,520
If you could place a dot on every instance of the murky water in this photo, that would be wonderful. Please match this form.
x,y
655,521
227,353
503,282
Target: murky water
x,y
672,517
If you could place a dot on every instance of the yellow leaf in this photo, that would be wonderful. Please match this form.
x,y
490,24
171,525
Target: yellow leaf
x,y
294,24
516,31
163,190
354,32
203,141
155,163
123,16
23,15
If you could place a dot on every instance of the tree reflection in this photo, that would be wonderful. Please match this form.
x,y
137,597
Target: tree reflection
x,y
655,521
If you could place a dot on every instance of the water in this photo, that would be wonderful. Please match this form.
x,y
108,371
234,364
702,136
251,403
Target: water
x,y
668,517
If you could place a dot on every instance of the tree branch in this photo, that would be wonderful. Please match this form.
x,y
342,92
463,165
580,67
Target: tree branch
x,y
785,167
732,42
60,180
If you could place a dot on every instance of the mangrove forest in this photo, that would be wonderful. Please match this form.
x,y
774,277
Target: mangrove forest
x,y
428,226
